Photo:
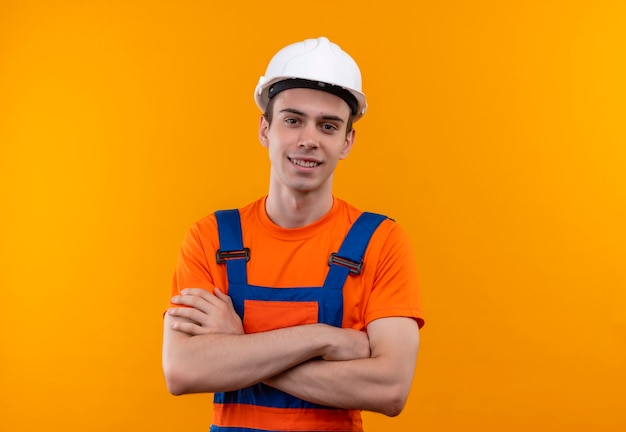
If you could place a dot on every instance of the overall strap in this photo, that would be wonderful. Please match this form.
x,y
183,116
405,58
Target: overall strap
x,y
231,251
349,258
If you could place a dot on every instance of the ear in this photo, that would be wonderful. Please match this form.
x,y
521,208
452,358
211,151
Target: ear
x,y
264,128
347,145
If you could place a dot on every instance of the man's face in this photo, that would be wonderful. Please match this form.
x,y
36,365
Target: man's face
x,y
306,139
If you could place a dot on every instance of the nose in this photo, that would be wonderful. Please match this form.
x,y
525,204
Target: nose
x,y
308,137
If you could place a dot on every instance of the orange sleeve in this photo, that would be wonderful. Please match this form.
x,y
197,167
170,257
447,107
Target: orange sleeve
x,y
193,269
395,291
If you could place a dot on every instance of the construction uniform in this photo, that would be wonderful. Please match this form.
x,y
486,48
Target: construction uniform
x,y
344,270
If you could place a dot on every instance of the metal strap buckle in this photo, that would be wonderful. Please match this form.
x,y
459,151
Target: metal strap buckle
x,y
354,266
223,256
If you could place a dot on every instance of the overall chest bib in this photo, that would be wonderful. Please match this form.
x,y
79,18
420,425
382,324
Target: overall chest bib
x,y
261,308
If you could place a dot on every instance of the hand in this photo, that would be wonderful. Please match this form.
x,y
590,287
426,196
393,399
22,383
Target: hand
x,y
348,344
206,313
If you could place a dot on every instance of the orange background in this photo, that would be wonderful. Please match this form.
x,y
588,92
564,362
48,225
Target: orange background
x,y
495,136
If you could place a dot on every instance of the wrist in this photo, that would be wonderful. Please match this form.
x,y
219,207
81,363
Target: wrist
x,y
321,336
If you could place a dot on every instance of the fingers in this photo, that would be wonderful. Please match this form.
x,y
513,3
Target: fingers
x,y
200,292
220,295
202,312
190,314
189,328
198,298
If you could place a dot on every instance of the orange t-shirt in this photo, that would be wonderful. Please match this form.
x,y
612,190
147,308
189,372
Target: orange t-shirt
x,y
298,257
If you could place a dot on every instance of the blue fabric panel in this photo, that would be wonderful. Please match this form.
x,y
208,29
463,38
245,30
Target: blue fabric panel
x,y
229,231
263,395
353,247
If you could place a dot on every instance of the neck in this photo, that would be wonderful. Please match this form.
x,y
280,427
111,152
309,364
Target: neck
x,y
289,210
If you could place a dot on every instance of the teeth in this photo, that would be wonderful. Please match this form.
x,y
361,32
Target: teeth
x,y
306,164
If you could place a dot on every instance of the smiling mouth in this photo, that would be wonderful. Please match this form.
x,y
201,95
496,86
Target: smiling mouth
x,y
304,163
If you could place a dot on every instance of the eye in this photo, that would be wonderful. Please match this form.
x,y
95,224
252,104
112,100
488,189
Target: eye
x,y
329,127
292,121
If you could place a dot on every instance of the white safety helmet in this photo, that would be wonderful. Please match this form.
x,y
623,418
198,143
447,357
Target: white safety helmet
x,y
313,63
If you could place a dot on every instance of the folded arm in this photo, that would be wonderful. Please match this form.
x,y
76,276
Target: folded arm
x,y
205,350
380,383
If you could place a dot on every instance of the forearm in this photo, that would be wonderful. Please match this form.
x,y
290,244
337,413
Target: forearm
x,y
223,362
380,383
354,384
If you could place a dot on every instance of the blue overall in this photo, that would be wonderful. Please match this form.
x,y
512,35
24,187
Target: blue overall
x,y
329,297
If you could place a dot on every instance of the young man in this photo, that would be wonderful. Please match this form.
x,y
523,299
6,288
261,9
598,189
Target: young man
x,y
298,310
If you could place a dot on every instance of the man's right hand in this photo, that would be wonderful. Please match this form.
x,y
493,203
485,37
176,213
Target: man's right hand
x,y
347,344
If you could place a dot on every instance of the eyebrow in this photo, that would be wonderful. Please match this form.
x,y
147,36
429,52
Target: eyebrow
x,y
300,113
